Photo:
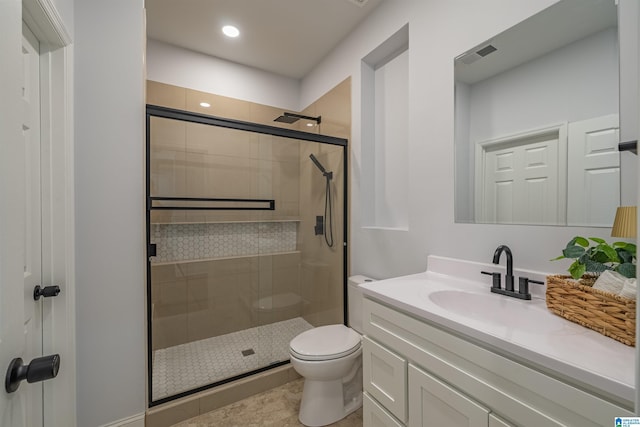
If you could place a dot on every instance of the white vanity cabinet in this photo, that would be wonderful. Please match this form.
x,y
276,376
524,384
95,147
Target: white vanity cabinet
x,y
434,403
386,377
419,374
375,415
497,422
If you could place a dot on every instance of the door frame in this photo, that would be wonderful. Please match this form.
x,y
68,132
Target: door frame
x,y
57,177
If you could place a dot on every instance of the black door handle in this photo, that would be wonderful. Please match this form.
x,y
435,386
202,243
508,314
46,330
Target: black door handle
x,y
40,369
47,291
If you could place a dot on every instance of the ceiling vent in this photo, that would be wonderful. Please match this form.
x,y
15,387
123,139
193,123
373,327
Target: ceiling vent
x,y
473,56
486,50
359,3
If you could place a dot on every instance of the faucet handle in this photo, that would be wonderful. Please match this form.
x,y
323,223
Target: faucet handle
x,y
523,285
496,279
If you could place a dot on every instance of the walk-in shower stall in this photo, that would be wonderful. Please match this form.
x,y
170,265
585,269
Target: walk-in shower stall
x,y
246,240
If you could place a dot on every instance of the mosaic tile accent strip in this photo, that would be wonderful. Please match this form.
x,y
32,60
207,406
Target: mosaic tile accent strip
x,y
183,242
198,363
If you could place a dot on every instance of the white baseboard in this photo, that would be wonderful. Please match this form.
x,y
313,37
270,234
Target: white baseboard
x,y
134,421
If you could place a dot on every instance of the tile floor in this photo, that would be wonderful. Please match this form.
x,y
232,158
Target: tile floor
x,y
277,407
191,365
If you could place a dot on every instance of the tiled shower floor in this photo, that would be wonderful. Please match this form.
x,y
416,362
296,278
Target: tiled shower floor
x,y
195,364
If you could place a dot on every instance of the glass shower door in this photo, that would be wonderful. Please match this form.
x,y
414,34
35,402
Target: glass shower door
x,y
236,269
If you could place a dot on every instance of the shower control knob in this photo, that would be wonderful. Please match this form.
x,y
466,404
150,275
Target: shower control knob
x,y
47,291
40,369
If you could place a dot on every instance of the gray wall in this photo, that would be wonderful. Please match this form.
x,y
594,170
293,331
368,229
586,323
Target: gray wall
x,y
439,30
628,12
185,68
109,168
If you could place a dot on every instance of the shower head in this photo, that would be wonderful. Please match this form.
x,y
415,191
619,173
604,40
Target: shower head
x,y
287,118
319,166
292,118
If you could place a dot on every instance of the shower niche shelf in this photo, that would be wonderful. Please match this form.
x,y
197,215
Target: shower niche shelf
x,y
205,241
190,261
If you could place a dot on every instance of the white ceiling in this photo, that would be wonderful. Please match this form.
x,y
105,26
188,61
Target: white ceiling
x,y
286,37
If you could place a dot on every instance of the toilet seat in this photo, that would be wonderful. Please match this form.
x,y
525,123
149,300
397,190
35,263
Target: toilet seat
x,y
325,343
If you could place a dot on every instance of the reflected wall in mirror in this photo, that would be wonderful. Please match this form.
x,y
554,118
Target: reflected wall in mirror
x,y
536,120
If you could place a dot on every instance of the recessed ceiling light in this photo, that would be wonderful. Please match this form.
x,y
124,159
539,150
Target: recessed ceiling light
x,y
310,124
230,31
205,104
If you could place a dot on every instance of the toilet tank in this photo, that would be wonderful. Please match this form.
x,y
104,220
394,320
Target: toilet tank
x,y
355,296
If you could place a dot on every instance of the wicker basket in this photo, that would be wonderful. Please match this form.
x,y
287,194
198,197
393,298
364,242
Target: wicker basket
x,y
604,312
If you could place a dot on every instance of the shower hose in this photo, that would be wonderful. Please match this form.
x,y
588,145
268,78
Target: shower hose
x,y
328,214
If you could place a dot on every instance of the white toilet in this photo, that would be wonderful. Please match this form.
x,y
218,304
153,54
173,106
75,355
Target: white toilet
x,y
330,360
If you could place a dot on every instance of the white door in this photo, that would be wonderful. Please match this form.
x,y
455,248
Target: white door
x,y
593,172
35,184
20,222
521,181
32,324
12,206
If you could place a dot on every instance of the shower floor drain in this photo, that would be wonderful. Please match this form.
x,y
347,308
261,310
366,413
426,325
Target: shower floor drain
x,y
248,352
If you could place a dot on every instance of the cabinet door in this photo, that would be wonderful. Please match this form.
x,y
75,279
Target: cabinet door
x,y
385,377
498,422
374,415
433,403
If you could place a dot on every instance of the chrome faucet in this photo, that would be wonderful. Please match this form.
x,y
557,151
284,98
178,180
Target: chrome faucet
x,y
508,279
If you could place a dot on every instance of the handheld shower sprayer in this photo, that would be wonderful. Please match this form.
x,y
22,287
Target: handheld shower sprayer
x,y
327,230
319,166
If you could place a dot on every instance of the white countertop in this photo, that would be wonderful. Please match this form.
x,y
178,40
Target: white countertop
x,y
453,294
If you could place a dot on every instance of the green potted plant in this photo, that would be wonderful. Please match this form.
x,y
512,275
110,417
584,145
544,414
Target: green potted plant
x,y
599,256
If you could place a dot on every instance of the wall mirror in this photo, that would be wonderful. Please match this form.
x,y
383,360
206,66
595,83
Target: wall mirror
x,y
536,121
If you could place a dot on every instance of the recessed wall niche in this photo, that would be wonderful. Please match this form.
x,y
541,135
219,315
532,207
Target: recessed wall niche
x,y
385,126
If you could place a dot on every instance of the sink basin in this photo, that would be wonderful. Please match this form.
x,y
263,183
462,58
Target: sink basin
x,y
501,311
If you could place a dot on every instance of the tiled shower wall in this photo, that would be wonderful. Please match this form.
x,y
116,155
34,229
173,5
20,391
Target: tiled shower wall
x,y
323,268
209,279
213,267
193,299
181,242
196,300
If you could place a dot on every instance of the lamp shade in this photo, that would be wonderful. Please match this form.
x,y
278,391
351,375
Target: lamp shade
x,y
625,223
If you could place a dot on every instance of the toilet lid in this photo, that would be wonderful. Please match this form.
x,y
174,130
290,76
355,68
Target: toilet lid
x,y
325,342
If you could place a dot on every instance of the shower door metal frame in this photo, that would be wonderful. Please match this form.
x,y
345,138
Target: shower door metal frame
x,y
187,116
